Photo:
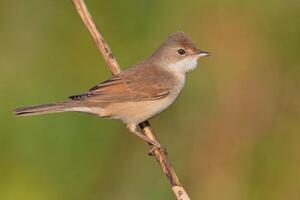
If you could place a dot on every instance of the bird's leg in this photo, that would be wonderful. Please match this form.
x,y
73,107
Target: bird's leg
x,y
133,128
153,148
156,145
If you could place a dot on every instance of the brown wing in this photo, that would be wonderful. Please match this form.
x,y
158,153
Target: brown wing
x,y
141,83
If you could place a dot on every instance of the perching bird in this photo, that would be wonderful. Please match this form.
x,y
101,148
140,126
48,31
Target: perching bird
x,y
138,93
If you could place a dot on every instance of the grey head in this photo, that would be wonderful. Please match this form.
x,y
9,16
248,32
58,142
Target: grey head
x,y
178,53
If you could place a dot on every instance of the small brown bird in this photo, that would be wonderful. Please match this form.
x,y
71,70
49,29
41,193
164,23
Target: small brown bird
x,y
138,93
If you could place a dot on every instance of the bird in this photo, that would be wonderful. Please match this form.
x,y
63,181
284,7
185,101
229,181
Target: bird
x,y
138,93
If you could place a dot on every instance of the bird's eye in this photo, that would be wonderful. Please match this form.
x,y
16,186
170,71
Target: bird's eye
x,y
181,51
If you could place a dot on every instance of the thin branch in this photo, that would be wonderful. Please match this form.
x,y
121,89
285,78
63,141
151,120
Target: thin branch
x,y
97,36
113,65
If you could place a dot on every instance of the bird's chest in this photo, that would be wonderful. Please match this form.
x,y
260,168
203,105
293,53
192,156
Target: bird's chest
x,y
148,109
174,93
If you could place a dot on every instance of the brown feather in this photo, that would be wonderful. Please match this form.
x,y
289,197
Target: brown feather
x,y
143,82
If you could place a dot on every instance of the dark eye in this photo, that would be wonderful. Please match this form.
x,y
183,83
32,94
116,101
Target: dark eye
x,y
181,51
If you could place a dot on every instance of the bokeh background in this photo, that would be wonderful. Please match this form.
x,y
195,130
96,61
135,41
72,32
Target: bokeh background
x,y
233,134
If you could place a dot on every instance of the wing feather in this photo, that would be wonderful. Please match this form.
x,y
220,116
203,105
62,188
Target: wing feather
x,y
137,84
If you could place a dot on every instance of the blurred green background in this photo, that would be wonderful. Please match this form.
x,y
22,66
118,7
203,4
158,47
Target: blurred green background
x,y
233,134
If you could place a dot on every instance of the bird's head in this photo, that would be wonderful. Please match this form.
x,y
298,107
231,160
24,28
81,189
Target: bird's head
x,y
178,53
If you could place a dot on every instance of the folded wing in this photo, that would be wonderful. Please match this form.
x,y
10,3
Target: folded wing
x,y
136,84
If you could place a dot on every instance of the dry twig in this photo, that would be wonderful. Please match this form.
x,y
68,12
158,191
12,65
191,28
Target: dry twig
x,y
112,63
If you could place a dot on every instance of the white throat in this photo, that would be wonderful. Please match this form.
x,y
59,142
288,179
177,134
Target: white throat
x,y
184,65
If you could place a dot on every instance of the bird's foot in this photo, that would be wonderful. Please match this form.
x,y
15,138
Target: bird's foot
x,y
155,147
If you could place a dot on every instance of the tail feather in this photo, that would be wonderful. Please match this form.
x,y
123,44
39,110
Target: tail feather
x,y
42,109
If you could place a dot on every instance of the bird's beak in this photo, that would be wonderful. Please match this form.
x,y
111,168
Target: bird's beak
x,y
202,53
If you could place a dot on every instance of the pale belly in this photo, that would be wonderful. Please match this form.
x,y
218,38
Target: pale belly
x,y
137,112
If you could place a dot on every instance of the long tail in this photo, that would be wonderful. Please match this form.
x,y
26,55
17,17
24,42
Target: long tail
x,y
44,109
